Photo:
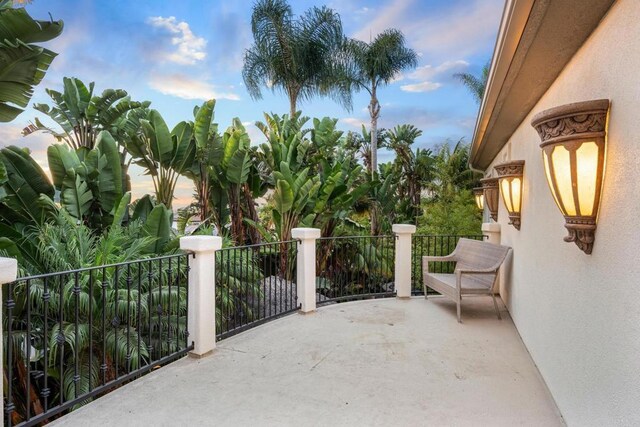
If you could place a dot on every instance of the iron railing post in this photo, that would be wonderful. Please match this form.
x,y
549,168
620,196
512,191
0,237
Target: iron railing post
x,y
403,260
201,318
306,283
8,274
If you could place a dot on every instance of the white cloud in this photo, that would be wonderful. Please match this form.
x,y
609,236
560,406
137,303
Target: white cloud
x,y
427,72
190,48
354,122
464,28
187,87
392,16
421,87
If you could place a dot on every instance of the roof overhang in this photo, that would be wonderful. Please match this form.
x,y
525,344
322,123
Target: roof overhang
x,y
537,38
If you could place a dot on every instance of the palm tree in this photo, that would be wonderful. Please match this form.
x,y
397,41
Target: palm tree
x,y
294,55
412,169
369,65
475,84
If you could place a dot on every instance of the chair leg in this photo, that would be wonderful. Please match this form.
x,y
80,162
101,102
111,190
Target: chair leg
x,y
458,302
425,291
495,304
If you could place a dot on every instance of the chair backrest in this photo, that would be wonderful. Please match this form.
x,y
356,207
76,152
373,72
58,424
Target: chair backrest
x,y
477,255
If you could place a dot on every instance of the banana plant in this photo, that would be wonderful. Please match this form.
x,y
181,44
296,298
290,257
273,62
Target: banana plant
x,y
23,183
286,141
342,185
164,154
90,186
207,142
294,197
81,115
22,64
231,174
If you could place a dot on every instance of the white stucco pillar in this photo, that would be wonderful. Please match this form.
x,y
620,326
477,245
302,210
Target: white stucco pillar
x,y
306,280
8,273
492,231
403,234
201,318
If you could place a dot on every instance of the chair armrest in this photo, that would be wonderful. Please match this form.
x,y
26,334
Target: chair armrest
x,y
479,271
445,258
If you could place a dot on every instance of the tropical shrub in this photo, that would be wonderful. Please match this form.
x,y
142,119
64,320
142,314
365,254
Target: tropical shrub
x,y
23,64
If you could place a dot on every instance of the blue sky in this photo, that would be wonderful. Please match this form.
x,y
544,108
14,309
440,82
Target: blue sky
x,y
177,54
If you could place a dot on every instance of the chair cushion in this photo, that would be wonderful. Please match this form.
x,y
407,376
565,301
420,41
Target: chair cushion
x,y
471,284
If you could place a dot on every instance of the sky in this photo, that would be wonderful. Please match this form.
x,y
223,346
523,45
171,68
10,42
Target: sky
x,y
177,54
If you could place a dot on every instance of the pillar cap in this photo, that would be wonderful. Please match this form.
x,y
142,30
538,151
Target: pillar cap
x,y
491,227
403,228
201,243
305,233
8,270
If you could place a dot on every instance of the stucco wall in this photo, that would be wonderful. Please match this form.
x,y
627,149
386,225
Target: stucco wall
x,y
579,315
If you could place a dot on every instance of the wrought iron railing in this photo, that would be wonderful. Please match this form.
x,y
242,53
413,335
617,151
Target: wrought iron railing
x,y
72,336
254,284
433,245
354,267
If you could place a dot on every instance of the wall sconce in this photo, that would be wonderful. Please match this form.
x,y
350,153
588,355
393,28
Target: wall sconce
x,y
510,182
491,196
478,195
573,151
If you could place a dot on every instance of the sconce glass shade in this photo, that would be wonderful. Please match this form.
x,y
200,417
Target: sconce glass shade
x,y
573,152
491,196
478,194
510,183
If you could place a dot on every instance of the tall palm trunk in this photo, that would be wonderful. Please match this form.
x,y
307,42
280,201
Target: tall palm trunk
x,y
374,112
293,101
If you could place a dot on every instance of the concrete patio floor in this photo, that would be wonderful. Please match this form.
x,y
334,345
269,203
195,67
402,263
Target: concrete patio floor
x,y
377,362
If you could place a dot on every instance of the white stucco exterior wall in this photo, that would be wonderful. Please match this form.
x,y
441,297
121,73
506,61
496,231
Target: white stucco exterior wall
x,y
579,315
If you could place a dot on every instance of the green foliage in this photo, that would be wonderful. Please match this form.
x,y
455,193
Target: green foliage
x,y
82,116
452,216
164,154
294,55
23,184
368,66
63,245
22,64
475,84
89,181
451,207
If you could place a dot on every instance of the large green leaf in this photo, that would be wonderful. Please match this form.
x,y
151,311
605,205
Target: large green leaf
x,y
24,182
143,208
283,197
239,167
15,23
76,196
120,211
202,124
61,161
22,65
3,178
9,247
109,178
158,227
159,136
185,148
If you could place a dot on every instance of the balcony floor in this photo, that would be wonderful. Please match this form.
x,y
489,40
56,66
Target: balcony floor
x,y
376,362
